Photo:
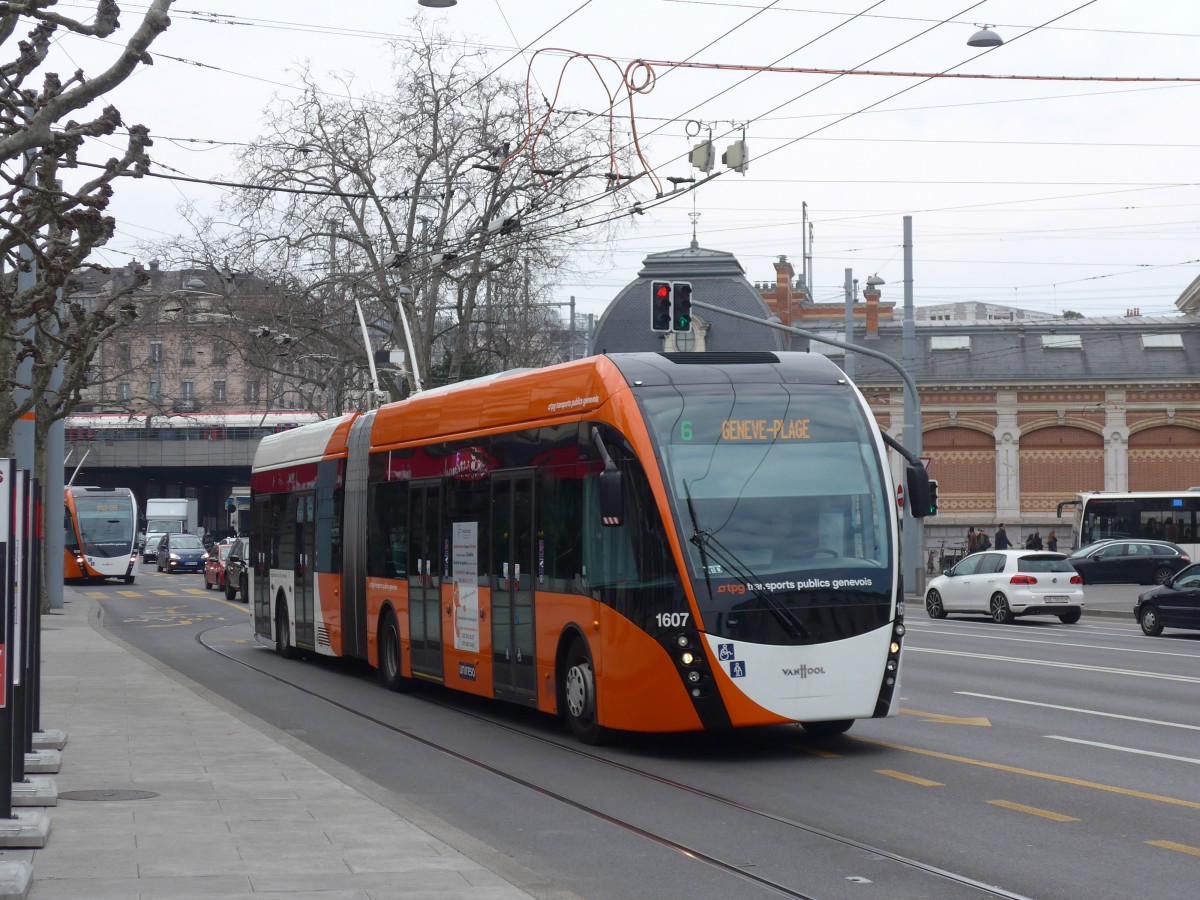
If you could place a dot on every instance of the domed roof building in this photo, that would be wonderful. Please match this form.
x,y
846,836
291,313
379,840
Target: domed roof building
x,y
717,278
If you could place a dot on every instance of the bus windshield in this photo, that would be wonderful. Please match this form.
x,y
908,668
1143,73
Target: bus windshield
x,y
779,490
105,524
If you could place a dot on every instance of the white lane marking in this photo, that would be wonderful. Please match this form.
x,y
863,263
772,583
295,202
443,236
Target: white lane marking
x,y
1108,670
1086,712
1171,756
1020,640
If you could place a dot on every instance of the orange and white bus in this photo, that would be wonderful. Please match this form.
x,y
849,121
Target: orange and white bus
x,y
653,542
101,534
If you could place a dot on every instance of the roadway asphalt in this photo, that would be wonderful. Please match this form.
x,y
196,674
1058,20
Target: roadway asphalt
x,y
192,797
228,807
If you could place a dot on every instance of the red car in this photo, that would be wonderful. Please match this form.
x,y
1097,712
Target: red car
x,y
214,567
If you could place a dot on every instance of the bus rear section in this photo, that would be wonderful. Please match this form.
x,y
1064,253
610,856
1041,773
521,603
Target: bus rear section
x,y
100,539
602,540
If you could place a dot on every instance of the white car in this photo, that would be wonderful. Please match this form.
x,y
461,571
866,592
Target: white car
x,y
1006,584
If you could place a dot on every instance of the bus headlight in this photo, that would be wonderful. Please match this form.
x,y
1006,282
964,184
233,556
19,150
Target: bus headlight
x,y
895,648
899,629
686,658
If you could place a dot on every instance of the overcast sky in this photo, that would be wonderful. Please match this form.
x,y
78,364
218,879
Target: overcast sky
x,y
1046,194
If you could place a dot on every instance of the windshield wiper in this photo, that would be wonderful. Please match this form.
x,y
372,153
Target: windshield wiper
x,y
697,537
706,542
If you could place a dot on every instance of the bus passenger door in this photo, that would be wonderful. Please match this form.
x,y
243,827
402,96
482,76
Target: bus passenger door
x,y
259,577
425,578
513,577
306,546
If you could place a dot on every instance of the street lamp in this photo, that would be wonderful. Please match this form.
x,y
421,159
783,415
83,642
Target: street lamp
x,y
984,37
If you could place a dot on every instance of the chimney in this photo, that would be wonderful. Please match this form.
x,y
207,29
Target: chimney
x,y
871,293
784,273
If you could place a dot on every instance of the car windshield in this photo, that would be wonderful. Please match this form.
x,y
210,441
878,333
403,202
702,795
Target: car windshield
x,y
1046,563
223,551
186,542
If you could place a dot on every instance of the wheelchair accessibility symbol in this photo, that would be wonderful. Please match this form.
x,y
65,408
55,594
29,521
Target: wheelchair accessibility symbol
x,y
725,652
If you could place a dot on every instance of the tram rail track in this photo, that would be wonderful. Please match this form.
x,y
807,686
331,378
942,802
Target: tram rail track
x,y
971,886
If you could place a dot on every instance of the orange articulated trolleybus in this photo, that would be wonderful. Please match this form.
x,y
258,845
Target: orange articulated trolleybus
x,y
652,542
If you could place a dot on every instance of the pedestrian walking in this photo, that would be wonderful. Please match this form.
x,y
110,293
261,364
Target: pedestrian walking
x,y
1002,542
1052,541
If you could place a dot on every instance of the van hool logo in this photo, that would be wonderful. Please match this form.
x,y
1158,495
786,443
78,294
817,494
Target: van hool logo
x,y
804,671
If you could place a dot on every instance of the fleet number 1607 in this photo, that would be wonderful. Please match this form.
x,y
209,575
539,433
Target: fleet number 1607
x,y
673,620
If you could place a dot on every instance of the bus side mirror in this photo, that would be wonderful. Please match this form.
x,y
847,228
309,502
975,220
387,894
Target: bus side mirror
x,y
919,495
610,498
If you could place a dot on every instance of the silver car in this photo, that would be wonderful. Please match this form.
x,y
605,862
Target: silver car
x,y
1006,584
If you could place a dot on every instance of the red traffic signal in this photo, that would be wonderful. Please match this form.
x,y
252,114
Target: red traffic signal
x,y
660,306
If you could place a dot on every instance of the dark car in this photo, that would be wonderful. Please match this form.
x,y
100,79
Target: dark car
x,y
237,570
214,566
1175,604
181,553
1128,561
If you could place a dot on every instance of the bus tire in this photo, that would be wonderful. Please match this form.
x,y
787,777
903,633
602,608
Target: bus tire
x,y
391,667
283,632
578,680
824,729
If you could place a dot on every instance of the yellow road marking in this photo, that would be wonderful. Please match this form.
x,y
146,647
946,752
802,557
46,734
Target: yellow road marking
x,y
1033,811
1046,776
947,720
134,594
164,593
923,782
1171,845
99,595
818,752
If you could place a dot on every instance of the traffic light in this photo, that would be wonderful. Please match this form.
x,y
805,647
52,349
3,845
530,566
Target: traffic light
x,y
933,497
681,306
660,306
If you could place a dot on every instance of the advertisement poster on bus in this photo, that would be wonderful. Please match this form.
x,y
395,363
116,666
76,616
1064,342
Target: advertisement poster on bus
x,y
465,586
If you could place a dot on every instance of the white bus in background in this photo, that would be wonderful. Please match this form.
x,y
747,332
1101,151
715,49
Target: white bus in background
x,y
1159,515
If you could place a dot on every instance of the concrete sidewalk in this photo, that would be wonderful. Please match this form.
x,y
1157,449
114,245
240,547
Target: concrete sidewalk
x,y
235,808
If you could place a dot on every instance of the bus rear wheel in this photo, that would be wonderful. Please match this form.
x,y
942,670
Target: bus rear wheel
x,y
390,669
283,632
579,695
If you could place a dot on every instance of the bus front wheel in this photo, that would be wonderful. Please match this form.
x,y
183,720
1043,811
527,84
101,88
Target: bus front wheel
x,y
579,695
837,726
283,631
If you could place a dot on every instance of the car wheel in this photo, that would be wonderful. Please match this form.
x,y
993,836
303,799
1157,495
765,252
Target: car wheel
x,y
1070,617
1001,612
821,729
579,694
1161,574
208,586
1149,620
933,605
